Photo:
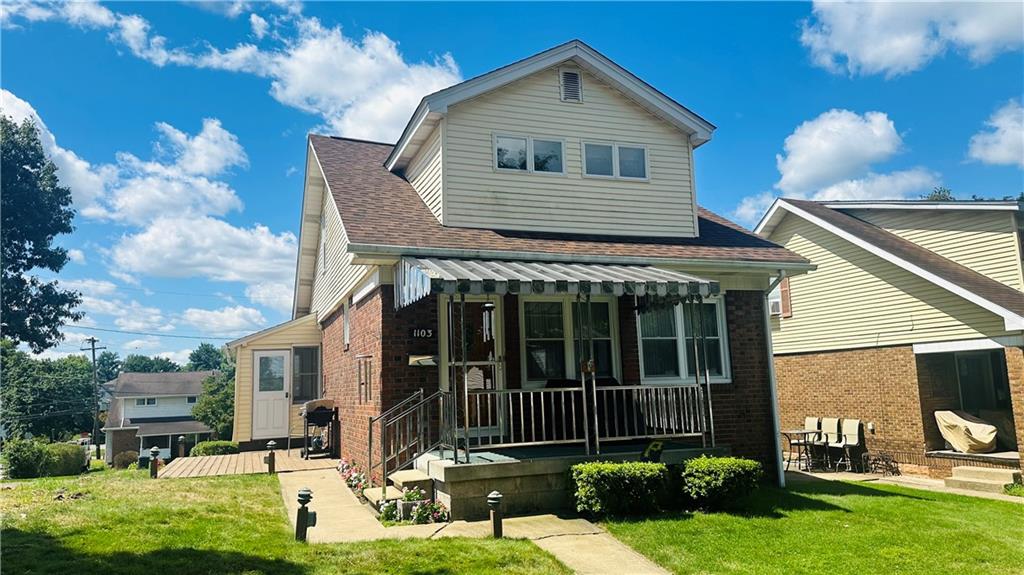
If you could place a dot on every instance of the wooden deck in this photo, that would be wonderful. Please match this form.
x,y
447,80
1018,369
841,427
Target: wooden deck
x,y
241,464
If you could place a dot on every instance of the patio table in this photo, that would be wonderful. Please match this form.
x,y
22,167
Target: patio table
x,y
803,452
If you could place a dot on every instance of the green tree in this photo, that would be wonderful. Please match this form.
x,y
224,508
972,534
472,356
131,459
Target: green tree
x,y
34,209
108,366
216,406
205,357
47,398
939,194
136,363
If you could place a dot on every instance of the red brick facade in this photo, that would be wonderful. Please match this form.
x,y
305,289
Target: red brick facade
x,y
890,388
742,409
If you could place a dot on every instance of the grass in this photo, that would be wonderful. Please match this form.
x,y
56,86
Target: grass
x,y
122,522
820,527
1015,489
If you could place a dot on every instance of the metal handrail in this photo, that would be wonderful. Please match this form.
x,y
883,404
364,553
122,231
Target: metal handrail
x,y
374,419
406,431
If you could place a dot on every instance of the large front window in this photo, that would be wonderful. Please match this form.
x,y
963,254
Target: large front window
x,y
667,343
550,346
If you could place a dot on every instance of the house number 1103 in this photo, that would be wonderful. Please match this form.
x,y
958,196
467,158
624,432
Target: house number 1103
x,y
421,333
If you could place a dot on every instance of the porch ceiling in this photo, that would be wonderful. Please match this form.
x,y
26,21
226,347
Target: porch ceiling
x,y
420,277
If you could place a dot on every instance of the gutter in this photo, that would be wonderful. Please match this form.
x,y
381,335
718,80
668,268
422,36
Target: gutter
x,y
394,251
772,383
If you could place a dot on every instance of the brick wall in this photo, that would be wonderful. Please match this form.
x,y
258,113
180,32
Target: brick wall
x,y
939,390
400,380
876,385
123,440
1015,372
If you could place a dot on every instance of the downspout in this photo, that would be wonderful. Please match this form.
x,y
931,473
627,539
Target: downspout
x,y
772,386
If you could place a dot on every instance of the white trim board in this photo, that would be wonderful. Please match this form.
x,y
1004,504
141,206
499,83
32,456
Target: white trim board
x,y
969,344
1011,320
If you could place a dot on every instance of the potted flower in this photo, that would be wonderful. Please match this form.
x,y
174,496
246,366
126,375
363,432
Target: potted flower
x,y
410,499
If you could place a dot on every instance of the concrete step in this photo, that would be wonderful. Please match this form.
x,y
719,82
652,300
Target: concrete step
x,y
986,473
376,494
411,479
976,484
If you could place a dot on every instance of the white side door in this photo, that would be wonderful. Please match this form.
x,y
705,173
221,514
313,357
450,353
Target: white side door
x,y
272,380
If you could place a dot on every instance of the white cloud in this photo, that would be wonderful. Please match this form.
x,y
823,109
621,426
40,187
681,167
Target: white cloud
x,y
895,185
830,158
87,182
76,256
209,153
142,344
91,287
179,357
837,144
1003,142
225,321
259,25
275,295
359,88
893,38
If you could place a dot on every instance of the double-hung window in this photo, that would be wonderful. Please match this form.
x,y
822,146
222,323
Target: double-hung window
x,y
145,401
608,160
667,343
550,347
529,154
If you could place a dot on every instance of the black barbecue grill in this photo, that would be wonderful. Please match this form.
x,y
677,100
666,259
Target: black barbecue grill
x,y
320,429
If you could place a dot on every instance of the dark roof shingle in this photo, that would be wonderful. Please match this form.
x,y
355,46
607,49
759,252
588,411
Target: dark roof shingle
x,y
381,208
165,383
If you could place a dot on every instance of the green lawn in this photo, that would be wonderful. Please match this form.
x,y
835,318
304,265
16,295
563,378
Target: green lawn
x,y
124,522
823,527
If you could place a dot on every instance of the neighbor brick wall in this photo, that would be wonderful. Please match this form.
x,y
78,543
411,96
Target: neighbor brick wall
x,y
124,440
1015,372
340,372
876,385
939,391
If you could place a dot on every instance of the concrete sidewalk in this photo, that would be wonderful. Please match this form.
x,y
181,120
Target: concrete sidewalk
x,y
579,544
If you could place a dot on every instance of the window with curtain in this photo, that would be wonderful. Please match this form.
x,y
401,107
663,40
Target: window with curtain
x,y
544,336
305,374
667,342
659,342
712,340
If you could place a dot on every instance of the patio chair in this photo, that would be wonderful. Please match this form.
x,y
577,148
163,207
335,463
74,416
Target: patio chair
x,y
828,437
849,440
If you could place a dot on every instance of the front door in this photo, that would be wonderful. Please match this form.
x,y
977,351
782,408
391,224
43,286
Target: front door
x,y
272,375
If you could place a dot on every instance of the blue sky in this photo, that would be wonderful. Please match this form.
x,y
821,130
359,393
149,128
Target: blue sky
x,y
181,127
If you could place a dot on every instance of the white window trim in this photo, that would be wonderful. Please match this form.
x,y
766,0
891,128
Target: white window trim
x,y
615,160
683,379
145,402
561,85
529,153
568,329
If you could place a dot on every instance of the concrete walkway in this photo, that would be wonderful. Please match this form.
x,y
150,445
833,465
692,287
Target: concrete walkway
x,y
912,481
579,544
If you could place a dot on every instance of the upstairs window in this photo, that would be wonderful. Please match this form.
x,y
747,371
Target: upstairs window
x,y
191,399
528,154
624,161
145,401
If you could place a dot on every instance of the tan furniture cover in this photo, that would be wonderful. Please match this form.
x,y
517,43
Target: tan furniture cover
x,y
966,433
317,404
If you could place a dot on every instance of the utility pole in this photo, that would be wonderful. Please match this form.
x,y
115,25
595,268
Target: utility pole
x,y
92,341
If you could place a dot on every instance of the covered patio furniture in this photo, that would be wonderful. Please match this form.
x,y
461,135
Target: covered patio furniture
x,y
966,433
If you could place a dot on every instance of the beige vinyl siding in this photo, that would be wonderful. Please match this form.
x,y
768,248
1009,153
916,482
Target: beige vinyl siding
x,y
984,241
476,195
304,334
341,274
856,299
424,172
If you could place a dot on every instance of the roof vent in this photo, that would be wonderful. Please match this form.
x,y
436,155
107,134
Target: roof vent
x,y
572,86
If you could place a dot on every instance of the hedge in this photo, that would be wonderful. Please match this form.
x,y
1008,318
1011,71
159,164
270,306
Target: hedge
x,y
604,488
716,482
214,448
24,459
125,458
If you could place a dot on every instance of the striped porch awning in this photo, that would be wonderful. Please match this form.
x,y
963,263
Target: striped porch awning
x,y
417,278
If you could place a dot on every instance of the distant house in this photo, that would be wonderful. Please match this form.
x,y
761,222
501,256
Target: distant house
x,y
915,307
148,409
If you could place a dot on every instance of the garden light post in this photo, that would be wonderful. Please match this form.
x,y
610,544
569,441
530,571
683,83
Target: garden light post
x,y
154,456
269,458
181,446
494,502
305,518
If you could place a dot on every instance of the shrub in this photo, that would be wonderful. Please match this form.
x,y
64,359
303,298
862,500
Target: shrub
x,y
619,488
716,482
64,459
125,458
24,458
214,448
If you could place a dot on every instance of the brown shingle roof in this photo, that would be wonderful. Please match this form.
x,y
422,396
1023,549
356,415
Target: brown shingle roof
x,y
985,287
168,383
381,208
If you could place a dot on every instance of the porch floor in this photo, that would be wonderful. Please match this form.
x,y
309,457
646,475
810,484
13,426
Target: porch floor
x,y
671,451
244,463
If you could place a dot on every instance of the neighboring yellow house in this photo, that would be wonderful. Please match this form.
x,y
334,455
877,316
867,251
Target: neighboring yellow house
x,y
914,307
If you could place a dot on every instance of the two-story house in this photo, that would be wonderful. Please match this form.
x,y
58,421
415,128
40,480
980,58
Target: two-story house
x,y
915,307
154,409
525,274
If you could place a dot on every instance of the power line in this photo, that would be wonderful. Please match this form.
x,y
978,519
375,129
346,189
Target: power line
x,y
152,334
